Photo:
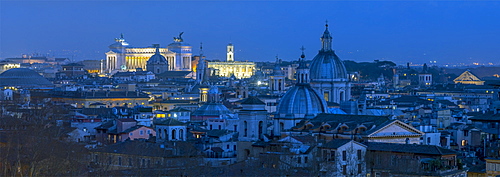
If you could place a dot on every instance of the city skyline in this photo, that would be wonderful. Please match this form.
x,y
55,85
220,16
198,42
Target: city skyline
x,y
419,32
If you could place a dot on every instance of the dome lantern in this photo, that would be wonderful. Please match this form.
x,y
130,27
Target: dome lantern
x,y
326,40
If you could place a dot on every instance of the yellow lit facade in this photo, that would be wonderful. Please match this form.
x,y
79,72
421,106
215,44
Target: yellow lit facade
x,y
492,167
7,66
239,69
121,57
204,94
137,58
468,78
230,67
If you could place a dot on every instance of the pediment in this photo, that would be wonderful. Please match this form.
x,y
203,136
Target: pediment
x,y
396,128
467,76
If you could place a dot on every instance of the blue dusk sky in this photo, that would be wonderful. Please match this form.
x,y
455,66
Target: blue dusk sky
x,y
399,31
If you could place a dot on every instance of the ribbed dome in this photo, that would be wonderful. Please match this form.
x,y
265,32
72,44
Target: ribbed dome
x,y
23,77
157,58
327,66
301,99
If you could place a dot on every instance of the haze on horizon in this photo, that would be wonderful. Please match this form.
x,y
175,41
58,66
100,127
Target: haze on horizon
x,y
419,32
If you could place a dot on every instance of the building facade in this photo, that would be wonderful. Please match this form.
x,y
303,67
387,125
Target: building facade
x,y
122,57
240,69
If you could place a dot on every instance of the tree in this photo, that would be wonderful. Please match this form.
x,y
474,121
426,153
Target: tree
x,y
34,146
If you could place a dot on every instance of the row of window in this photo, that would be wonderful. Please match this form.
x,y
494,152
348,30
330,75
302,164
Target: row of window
x,y
141,132
163,134
329,155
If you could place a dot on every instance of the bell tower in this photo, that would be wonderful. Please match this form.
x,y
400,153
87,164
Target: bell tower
x,y
277,79
230,52
302,70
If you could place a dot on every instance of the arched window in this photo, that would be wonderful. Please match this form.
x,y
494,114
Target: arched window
x,y
181,134
341,96
282,126
159,133
326,96
342,129
173,134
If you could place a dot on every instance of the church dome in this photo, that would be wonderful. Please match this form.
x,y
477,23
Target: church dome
x,y
23,77
157,58
326,65
303,100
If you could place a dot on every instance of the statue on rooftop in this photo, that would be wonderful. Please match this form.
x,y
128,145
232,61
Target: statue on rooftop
x,y
179,39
